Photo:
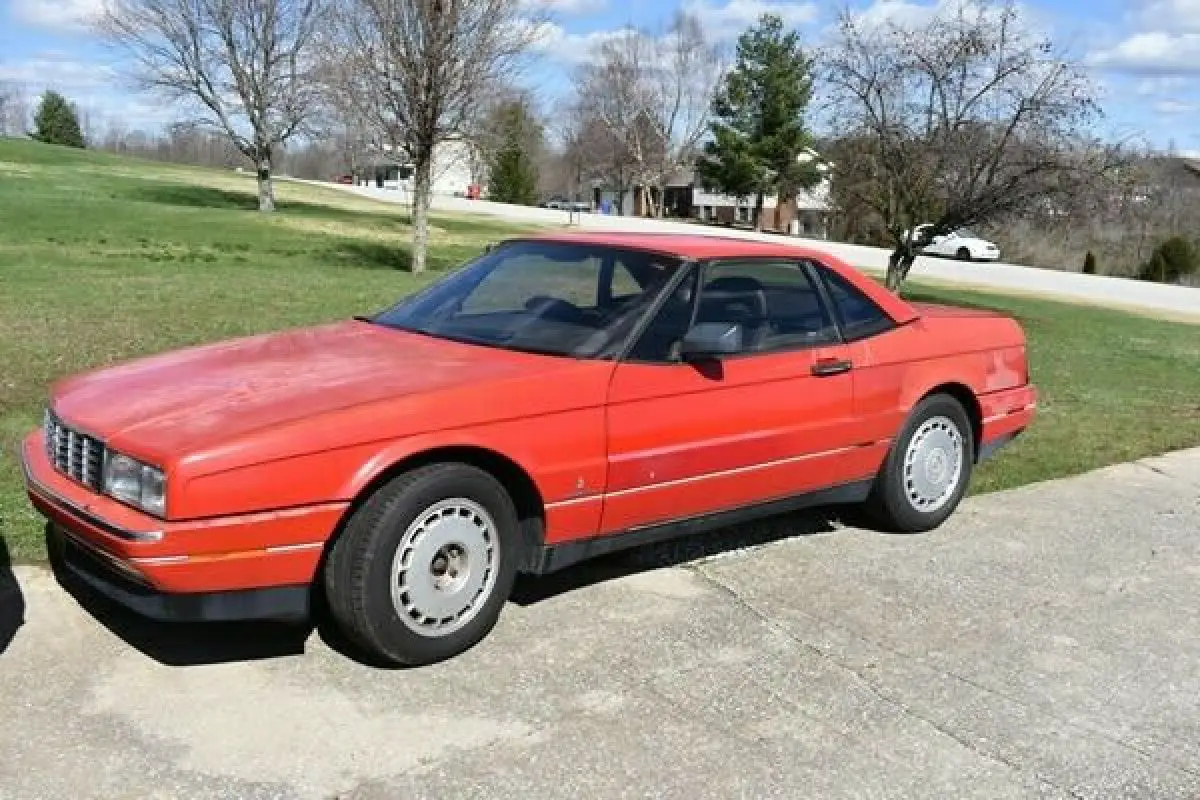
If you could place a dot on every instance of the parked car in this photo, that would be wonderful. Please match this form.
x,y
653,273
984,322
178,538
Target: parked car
x,y
563,204
963,244
559,397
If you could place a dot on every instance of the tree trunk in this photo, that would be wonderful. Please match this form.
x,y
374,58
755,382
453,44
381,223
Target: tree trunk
x,y
266,188
660,209
758,209
422,189
899,263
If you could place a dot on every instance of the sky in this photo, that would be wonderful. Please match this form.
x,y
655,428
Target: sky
x,y
1143,54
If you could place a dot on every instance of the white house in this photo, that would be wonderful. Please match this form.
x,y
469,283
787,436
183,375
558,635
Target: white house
x,y
389,168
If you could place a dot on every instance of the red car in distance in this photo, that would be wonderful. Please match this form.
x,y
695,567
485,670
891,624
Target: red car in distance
x,y
559,397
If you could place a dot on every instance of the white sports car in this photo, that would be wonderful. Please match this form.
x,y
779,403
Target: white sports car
x,y
962,244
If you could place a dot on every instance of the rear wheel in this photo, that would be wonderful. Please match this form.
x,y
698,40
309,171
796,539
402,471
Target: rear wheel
x,y
928,468
425,566
964,254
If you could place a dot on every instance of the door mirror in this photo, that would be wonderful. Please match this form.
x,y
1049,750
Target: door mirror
x,y
710,340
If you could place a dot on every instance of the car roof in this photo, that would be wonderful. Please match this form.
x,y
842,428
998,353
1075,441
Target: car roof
x,y
684,245
698,246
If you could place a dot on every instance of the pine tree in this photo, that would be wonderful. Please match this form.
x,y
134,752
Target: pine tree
x,y
759,129
56,122
513,175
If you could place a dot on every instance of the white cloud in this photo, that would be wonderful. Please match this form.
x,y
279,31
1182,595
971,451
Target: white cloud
x,y
572,48
729,20
1171,15
1174,107
723,22
1153,52
565,6
1164,42
60,15
1160,84
57,71
901,13
906,15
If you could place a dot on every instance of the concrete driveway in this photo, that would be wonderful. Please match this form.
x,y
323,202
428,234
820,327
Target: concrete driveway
x,y
1044,643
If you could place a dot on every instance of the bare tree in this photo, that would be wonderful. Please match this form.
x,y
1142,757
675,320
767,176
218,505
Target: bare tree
x,y
615,93
961,119
652,96
417,69
14,109
246,64
688,72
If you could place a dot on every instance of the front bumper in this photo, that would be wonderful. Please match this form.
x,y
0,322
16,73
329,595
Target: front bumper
x,y
81,564
236,567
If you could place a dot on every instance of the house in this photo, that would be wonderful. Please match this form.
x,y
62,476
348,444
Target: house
x,y
454,168
807,214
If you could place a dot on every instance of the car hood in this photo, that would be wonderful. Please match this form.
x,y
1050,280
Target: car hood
x,y
176,402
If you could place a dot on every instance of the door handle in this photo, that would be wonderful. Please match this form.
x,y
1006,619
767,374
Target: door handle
x,y
831,366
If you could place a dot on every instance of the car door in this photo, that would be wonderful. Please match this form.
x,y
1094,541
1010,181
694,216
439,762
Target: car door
x,y
769,422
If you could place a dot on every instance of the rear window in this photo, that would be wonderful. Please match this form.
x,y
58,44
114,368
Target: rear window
x,y
859,315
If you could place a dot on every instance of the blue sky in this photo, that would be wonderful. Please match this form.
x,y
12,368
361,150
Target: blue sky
x,y
1144,54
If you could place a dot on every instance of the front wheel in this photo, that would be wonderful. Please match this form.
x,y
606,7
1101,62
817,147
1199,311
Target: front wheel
x,y
964,254
425,566
928,469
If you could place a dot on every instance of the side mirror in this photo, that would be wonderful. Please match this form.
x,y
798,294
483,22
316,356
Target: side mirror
x,y
710,340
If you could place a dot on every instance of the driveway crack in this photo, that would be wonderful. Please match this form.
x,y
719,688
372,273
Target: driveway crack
x,y
1109,737
876,691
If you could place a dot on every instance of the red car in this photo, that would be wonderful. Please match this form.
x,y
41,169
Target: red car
x,y
560,397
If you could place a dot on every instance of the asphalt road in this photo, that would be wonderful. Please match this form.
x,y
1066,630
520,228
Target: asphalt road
x,y
1160,299
1044,643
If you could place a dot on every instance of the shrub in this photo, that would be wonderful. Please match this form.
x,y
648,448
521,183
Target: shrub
x,y
57,122
1170,261
1089,264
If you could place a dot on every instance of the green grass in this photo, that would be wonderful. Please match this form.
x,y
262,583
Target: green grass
x,y
103,258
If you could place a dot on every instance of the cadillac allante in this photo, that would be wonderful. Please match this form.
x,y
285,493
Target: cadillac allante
x,y
559,397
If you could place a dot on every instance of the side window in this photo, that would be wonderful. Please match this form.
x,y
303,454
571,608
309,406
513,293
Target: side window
x,y
623,283
660,340
859,315
775,302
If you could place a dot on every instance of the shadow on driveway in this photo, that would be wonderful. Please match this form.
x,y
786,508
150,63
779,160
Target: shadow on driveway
x,y
532,589
182,644
193,644
12,602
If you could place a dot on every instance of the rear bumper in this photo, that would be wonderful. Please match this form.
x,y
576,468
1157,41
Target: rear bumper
x,y
248,566
1006,414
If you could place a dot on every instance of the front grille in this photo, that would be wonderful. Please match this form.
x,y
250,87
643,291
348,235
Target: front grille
x,y
75,454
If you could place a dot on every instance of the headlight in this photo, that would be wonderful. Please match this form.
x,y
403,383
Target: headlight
x,y
135,483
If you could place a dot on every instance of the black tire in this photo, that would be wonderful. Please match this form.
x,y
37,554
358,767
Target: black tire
x,y
890,504
963,254
358,575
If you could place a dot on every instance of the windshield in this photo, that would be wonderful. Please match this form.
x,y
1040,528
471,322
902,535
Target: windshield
x,y
577,300
966,233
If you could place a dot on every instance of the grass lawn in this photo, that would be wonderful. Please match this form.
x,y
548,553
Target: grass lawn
x,y
103,258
